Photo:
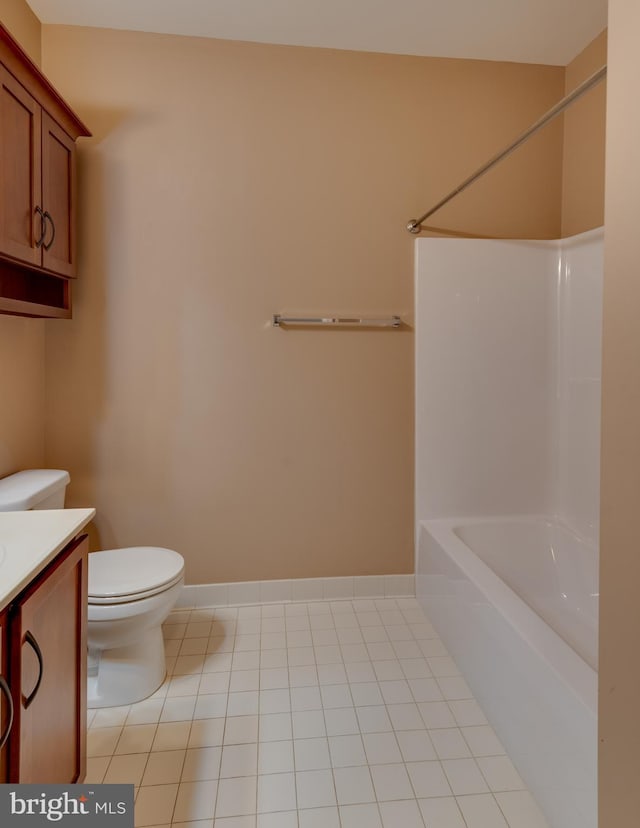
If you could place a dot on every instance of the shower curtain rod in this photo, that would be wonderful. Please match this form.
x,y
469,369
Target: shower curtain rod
x,y
415,225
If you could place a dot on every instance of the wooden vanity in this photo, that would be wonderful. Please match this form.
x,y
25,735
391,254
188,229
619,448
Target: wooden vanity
x,y
43,645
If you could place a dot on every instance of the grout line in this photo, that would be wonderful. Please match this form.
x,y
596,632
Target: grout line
x,y
392,653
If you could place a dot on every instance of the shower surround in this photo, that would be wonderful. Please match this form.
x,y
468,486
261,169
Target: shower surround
x,y
508,365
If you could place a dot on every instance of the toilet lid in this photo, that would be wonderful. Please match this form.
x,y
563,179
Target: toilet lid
x,y
135,571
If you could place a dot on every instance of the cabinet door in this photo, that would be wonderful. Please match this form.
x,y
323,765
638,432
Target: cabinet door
x,y
6,704
49,676
20,171
58,183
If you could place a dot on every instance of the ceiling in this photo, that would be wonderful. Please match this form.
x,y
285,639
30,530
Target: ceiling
x,y
526,31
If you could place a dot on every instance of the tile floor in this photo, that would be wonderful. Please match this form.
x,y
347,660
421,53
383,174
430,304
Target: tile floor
x,y
334,714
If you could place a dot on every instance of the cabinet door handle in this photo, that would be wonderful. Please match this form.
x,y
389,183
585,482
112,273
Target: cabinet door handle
x,y
4,687
47,215
29,639
43,227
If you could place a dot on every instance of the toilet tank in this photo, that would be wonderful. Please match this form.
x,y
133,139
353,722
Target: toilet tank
x,y
33,489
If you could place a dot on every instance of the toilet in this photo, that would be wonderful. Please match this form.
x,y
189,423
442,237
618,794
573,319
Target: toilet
x,y
131,592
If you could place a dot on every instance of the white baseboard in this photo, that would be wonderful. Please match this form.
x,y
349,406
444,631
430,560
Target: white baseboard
x,y
300,589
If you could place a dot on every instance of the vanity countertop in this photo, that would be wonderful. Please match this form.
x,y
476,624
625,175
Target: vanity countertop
x,y
31,540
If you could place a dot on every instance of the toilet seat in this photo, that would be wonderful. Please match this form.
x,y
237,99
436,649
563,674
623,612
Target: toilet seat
x,y
118,576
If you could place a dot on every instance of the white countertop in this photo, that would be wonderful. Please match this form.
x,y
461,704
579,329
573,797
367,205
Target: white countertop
x,y
31,540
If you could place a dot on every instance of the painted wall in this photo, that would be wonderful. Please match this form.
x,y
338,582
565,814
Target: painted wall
x,y
22,380
619,793
584,144
19,19
22,390
226,182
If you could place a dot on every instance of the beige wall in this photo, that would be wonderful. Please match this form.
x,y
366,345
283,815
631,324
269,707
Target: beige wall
x,y
584,144
19,19
619,793
22,387
22,382
226,182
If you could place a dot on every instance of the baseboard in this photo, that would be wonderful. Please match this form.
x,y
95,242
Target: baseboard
x,y
297,589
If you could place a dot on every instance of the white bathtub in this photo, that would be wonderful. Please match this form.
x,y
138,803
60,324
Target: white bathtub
x,y
515,602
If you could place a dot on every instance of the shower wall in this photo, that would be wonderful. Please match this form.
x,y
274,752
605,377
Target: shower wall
x,y
578,383
484,368
508,378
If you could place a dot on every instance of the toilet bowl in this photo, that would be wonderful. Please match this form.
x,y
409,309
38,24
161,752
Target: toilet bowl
x,y
131,592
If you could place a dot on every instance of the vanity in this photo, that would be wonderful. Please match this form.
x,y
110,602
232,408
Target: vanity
x,y
43,631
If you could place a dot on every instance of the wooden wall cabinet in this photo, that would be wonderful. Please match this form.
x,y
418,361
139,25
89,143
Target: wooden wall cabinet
x,y
45,650
38,132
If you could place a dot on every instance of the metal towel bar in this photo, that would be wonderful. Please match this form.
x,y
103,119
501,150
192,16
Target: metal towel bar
x,y
336,321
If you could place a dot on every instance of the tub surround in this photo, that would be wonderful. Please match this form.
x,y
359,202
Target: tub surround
x,y
31,540
508,367
508,378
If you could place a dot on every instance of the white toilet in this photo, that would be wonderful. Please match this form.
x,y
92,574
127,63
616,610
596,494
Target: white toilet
x,y
131,592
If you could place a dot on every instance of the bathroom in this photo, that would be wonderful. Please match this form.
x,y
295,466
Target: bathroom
x,y
286,455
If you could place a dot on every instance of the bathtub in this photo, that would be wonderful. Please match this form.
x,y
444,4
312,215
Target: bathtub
x,y
515,602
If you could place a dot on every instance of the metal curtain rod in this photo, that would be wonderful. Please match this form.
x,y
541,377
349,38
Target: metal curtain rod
x,y
414,226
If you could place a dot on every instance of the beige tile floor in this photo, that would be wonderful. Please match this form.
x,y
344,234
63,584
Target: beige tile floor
x,y
332,714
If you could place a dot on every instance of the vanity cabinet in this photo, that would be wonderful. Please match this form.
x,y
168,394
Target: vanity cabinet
x,y
38,132
6,702
47,645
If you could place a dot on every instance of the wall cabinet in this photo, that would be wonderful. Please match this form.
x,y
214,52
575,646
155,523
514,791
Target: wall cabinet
x,y
37,174
37,189
44,650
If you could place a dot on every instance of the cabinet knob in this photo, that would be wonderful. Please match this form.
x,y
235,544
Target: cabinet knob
x,y
47,215
4,688
43,227
29,639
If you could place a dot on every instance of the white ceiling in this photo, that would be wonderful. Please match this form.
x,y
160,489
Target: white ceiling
x,y
527,31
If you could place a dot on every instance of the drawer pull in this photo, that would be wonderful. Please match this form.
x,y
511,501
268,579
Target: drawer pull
x,y
4,687
29,639
43,227
47,215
